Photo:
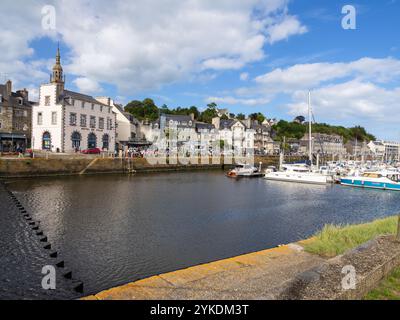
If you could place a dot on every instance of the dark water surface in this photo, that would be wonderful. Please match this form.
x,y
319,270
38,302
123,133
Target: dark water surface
x,y
115,229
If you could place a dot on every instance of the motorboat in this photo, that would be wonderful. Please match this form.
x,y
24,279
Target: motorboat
x,y
300,173
245,170
384,180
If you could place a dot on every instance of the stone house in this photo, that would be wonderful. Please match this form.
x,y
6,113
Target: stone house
x,y
15,119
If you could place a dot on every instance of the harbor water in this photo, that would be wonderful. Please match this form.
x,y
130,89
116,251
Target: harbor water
x,y
114,229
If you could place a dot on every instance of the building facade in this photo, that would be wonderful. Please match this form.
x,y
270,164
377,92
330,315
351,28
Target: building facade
x,y
15,119
323,144
377,149
66,121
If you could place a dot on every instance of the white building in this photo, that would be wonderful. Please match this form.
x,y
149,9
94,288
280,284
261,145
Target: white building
x,y
127,126
66,121
234,134
377,148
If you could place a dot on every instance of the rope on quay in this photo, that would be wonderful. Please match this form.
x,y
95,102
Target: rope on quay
x,y
77,285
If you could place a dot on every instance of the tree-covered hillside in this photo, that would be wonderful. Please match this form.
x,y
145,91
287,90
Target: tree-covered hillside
x,y
297,130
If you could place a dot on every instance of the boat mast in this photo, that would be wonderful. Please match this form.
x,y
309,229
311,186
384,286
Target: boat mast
x,y
309,128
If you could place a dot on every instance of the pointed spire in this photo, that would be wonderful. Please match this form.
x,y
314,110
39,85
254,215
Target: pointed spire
x,y
57,69
58,57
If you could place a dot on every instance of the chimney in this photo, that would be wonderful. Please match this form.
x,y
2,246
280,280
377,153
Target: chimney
x,y
8,88
192,116
247,122
216,122
24,94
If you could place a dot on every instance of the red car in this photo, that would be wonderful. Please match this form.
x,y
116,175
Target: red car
x,y
92,151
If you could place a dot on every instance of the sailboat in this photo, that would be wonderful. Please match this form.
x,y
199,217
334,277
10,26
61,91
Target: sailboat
x,y
301,173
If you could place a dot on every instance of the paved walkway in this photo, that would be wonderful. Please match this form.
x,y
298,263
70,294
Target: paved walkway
x,y
260,275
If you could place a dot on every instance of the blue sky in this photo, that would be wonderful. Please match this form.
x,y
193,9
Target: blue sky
x,y
258,56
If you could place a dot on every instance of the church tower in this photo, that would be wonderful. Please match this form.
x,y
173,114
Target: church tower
x,y
57,77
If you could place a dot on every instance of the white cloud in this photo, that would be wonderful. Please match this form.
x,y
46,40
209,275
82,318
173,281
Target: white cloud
x,y
308,76
289,26
364,91
88,85
237,101
352,99
144,44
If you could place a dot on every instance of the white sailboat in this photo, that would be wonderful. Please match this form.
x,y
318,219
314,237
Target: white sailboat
x,y
301,173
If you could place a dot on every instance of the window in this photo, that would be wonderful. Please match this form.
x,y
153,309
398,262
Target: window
x,y
72,119
101,123
92,106
83,104
109,124
101,108
1,110
92,141
20,101
47,101
106,141
54,118
83,120
25,113
1,125
40,118
76,140
93,122
109,110
46,141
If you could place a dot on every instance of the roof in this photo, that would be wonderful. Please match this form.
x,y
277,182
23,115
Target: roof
x,y
12,99
226,124
202,126
82,97
259,126
177,117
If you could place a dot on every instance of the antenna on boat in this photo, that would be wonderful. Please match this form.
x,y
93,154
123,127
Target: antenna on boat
x,y
310,127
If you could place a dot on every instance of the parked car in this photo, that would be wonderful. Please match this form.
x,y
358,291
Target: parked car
x,y
92,151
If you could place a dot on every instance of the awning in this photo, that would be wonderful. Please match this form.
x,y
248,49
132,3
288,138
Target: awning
x,y
13,136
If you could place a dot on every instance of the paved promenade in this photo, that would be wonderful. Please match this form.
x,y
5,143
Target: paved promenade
x,y
260,275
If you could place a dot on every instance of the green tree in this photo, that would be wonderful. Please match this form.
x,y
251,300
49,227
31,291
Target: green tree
x,y
208,114
258,117
142,110
241,116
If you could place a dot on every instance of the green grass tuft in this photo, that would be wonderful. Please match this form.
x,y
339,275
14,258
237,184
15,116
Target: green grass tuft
x,y
335,240
389,289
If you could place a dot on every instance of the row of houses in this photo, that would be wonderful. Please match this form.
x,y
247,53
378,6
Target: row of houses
x,y
66,121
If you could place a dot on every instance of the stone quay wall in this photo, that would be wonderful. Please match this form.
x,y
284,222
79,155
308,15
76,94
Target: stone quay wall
x,y
14,168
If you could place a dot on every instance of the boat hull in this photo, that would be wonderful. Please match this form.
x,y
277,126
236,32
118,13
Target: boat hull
x,y
307,179
370,184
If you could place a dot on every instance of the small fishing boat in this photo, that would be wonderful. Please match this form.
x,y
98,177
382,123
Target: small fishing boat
x,y
246,171
384,180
